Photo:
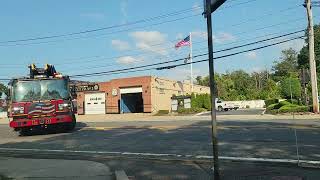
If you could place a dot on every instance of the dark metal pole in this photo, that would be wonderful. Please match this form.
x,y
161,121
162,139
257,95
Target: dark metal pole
x,y
213,95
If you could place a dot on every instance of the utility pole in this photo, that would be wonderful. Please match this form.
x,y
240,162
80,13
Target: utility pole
x,y
312,63
211,6
213,100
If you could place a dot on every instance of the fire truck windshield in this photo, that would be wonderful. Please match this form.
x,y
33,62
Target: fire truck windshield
x,y
40,90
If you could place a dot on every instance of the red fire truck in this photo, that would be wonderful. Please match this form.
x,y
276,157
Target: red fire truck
x,y
41,101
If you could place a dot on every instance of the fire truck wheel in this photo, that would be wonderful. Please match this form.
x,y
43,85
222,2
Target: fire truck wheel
x,y
25,132
70,126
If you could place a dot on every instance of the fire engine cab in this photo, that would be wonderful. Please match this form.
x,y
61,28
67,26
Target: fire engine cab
x,y
41,101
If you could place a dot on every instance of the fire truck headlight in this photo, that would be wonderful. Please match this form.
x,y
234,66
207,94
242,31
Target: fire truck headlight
x,y
63,106
17,110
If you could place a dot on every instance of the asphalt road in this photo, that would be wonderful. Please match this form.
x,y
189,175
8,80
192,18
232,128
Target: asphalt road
x,y
237,138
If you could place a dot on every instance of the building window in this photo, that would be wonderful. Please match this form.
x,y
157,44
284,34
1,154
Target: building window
x,y
161,91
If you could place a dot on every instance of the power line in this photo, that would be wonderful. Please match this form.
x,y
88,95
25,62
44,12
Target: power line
x,y
154,64
221,50
244,45
233,54
101,29
171,41
244,32
102,35
195,62
109,27
177,65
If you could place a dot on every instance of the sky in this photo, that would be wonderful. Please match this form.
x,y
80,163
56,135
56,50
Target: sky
x,y
138,32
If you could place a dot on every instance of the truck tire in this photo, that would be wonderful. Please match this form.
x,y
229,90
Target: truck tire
x,y
25,132
71,125
220,108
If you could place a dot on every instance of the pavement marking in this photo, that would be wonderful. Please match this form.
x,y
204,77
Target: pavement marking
x,y
221,127
303,163
121,175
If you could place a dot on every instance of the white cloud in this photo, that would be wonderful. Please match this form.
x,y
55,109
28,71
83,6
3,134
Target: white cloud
x,y
120,45
295,44
224,37
128,60
183,73
94,16
218,38
196,8
123,10
251,55
200,34
258,69
180,36
146,40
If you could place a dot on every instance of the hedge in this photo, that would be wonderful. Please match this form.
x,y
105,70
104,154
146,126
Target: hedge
x,y
268,102
293,108
271,107
285,107
280,104
201,101
190,110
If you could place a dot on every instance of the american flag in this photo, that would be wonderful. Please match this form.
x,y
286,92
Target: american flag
x,y
41,108
184,42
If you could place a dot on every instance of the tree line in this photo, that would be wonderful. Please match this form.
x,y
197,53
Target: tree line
x,y
288,77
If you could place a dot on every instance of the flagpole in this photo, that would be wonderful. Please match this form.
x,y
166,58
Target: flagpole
x,y
191,70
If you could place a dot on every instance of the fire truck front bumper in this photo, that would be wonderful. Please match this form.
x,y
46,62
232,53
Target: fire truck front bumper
x,y
19,123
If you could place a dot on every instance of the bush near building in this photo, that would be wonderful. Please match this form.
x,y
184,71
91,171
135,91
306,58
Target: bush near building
x,y
286,107
201,101
268,102
192,110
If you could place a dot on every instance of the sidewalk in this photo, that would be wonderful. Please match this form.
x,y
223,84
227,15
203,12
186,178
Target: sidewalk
x,y
21,168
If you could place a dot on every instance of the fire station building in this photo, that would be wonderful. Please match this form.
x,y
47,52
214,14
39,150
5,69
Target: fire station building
x,y
131,95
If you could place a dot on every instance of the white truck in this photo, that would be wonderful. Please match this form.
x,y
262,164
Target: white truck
x,y
224,106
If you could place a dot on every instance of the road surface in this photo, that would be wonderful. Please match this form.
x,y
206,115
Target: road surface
x,y
237,138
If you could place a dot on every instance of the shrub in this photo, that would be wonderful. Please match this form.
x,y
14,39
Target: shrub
x,y
271,107
201,101
293,101
190,110
280,104
268,102
206,101
293,108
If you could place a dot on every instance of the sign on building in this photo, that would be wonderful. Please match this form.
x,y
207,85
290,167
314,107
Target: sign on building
x,y
83,88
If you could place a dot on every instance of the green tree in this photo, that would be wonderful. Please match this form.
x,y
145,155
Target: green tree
x,y
291,85
270,90
3,89
303,57
203,81
244,84
287,65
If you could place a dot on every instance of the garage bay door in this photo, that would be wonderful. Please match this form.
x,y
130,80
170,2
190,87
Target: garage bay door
x,y
95,103
131,100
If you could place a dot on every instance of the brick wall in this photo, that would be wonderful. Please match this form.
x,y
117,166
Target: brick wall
x,y
113,100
